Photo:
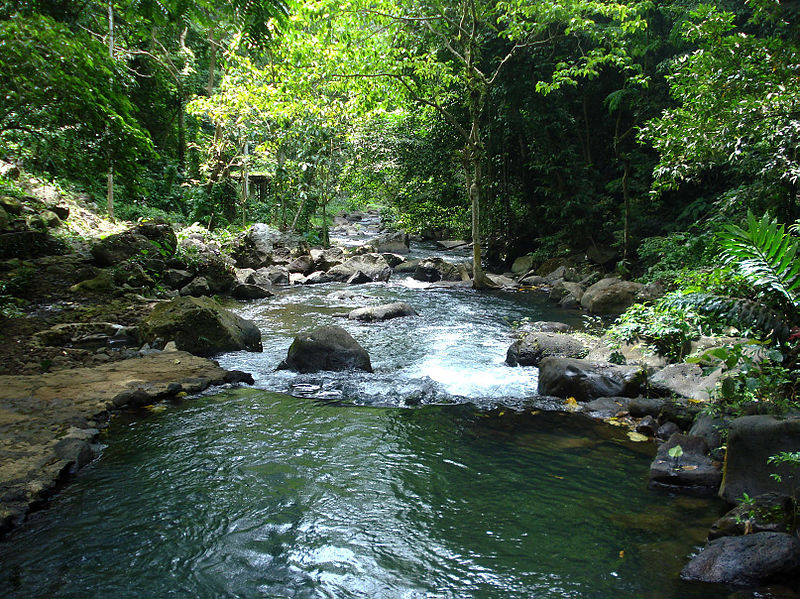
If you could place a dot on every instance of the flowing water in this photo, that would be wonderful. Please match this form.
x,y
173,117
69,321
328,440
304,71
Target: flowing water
x,y
435,477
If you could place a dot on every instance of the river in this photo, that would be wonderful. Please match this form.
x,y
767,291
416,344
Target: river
x,y
438,476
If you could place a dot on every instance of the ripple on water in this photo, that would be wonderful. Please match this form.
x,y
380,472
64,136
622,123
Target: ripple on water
x,y
456,349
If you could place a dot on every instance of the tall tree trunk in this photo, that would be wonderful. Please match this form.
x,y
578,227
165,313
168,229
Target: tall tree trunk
x,y
181,129
110,176
212,60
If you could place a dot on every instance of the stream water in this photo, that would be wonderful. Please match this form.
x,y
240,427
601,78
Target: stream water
x,y
435,477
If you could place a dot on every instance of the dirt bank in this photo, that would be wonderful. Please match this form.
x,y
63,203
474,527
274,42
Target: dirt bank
x,y
49,423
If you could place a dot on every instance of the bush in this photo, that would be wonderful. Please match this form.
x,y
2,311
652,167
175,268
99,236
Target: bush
x,y
666,259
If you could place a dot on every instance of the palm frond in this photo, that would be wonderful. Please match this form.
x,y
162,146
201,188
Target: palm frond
x,y
765,255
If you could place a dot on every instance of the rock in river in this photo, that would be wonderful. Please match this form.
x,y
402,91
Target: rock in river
x,y
586,380
384,312
326,348
533,347
201,326
747,560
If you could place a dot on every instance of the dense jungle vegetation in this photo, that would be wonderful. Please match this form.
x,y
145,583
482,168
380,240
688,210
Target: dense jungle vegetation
x,y
666,132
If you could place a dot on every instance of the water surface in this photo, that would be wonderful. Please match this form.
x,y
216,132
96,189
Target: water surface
x,y
257,494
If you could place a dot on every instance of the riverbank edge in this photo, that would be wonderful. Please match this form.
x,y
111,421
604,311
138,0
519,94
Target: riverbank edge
x,y
50,423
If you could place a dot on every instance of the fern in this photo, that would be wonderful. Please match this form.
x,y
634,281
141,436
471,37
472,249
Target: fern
x,y
766,256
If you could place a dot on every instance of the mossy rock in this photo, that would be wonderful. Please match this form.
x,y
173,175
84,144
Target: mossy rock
x,y
201,326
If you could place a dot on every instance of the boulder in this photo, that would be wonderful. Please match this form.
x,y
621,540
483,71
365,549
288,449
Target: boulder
x,y
175,278
358,278
585,380
217,270
691,470
610,296
324,260
684,380
50,218
302,264
254,248
435,269
201,326
268,276
384,312
606,407
523,264
11,205
317,277
451,244
393,259
144,239
551,264
601,255
771,512
5,219
532,281
751,441
407,267
197,287
131,274
326,348
246,291
281,256
545,326
746,560
566,293
394,242
497,281
711,429
645,406
533,347
374,266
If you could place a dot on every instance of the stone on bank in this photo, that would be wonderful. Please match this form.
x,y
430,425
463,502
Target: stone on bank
x,y
200,326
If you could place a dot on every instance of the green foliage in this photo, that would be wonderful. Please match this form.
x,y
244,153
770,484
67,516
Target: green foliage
x,y
664,326
65,106
718,312
667,258
767,257
753,377
736,95
790,458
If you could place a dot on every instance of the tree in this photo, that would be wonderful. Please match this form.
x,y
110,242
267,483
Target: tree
x,y
439,55
738,108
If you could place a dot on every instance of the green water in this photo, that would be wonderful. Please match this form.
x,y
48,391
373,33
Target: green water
x,y
255,494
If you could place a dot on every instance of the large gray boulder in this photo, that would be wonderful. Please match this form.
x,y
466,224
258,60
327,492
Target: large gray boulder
x,y
691,470
201,326
326,348
324,260
374,267
384,312
394,242
523,264
751,441
684,380
254,248
267,276
610,296
533,347
585,380
748,560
